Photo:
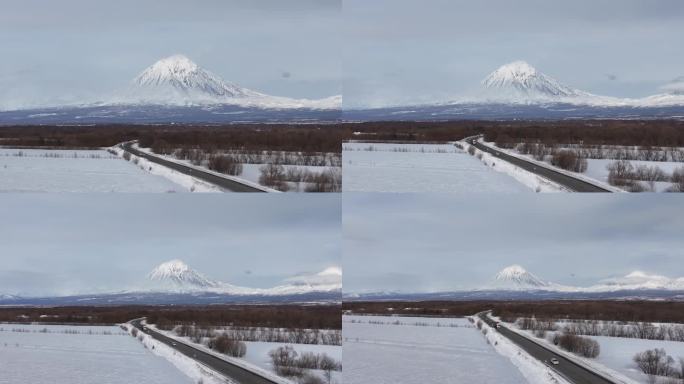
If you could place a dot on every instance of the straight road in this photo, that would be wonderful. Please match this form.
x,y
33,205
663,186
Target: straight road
x,y
231,371
565,367
571,183
222,182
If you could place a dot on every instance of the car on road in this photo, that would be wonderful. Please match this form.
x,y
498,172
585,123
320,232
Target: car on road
x,y
174,343
554,361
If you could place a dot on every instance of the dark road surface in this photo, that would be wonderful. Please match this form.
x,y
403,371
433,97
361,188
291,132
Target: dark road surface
x,y
568,369
233,372
226,184
571,183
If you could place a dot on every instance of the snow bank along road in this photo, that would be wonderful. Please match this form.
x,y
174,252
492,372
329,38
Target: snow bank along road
x,y
233,372
566,367
230,185
566,181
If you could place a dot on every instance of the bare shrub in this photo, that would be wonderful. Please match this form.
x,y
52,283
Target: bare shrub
x,y
273,176
228,346
569,160
655,362
284,361
225,164
583,346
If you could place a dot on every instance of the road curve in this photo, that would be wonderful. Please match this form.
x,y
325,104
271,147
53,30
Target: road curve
x,y
233,372
571,371
224,183
571,183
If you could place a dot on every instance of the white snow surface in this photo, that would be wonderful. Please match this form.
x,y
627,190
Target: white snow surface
x,y
616,357
587,178
617,354
394,167
89,356
189,183
192,369
516,277
454,352
529,179
48,170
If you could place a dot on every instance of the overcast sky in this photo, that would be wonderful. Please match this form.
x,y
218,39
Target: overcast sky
x,y
427,243
71,243
407,51
71,50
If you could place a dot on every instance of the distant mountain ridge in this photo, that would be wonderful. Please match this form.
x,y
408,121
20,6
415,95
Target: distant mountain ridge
x,y
174,282
514,282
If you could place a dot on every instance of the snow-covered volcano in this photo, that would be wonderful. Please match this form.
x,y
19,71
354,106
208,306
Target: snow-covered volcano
x,y
516,277
178,78
178,81
176,276
521,80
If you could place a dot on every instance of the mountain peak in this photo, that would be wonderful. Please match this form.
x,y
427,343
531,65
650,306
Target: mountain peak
x,y
179,275
521,80
176,64
515,276
179,78
331,271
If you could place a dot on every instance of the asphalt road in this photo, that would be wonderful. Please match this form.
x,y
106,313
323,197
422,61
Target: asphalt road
x,y
571,183
233,372
568,369
226,184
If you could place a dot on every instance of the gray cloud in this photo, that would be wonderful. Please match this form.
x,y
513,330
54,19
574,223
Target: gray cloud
x,y
444,48
440,242
80,243
88,49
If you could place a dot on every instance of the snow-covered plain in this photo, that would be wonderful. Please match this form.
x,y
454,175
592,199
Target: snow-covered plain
x,y
56,354
378,350
597,169
617,353
390,167
43,170
257,357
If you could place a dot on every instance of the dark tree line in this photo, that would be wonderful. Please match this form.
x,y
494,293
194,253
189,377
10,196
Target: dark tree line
x,y
274,316
633,311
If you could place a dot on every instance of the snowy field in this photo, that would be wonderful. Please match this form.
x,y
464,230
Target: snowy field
x,y
616,357
53,354
40,170
251,172
618,353
257,356
388,167
597,169
407,350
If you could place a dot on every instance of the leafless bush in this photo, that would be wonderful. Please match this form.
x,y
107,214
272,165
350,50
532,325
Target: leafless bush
x,y
228,346
225,164
127,156
471,150
583,346
273,176
655,362
569,160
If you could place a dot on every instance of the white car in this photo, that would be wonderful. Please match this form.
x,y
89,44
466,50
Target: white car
x,y
174,343
554,361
